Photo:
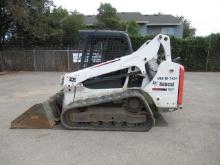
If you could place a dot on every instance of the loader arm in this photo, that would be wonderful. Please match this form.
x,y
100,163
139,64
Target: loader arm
x,y
137,59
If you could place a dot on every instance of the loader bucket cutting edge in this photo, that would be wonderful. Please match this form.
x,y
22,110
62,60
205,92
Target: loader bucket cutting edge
x,y
42,115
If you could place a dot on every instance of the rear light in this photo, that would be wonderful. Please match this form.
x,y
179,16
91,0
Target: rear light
x,y
181,83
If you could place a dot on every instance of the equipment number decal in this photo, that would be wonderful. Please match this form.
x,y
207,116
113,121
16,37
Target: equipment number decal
x,y
167,78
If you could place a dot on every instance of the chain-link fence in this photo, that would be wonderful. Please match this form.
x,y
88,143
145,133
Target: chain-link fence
x,y
38,60
23,54
90,51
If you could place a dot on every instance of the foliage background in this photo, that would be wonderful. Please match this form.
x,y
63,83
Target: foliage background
x,y
197,53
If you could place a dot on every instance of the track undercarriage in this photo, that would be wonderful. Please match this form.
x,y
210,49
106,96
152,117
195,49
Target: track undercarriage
x,y
128,111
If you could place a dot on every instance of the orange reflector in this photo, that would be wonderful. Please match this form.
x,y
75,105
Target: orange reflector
x,y
181,83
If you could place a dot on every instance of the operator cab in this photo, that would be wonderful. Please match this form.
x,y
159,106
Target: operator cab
x,y
99,46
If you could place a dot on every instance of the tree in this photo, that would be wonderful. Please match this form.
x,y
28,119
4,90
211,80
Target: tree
x,y
34,23
23,18
188,30
5,19
107,17
132,28
12,13
36,28
70,26
55,20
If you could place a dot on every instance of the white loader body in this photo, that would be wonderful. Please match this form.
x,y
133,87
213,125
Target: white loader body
x,y
163,88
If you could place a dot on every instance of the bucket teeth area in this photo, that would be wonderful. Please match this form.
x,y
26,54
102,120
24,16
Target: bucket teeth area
x,y
38,116
42,115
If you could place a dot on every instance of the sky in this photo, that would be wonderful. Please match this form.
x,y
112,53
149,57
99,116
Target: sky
x,y
203,14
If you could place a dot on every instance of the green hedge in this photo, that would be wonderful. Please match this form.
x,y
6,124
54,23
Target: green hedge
x,y
193,52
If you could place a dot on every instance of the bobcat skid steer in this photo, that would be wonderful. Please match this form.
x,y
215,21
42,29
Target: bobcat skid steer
x,y
119,94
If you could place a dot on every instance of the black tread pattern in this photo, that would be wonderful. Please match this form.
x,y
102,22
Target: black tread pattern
x,y
146,126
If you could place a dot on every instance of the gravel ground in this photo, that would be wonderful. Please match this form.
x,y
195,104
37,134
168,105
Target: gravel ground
x,y
188,136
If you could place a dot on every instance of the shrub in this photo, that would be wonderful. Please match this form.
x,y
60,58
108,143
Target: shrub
x,y
194,52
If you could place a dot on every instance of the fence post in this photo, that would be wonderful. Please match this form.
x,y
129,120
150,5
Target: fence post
x,y
54,61
208,54
1,61
34,60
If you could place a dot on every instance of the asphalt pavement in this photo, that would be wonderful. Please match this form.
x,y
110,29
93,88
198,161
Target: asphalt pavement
x,y
190,136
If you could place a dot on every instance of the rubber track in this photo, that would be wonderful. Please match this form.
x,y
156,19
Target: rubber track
x,y
150,121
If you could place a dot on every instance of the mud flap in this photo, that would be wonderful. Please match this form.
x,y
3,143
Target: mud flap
x,y
42,115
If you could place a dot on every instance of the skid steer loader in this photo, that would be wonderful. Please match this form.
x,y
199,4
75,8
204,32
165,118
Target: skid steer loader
x,y
109,93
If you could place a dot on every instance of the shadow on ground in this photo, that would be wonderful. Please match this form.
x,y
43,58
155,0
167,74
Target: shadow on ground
x,y
160,121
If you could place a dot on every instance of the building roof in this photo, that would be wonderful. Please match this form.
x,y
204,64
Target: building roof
x,y
132,16
139,18
162,20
